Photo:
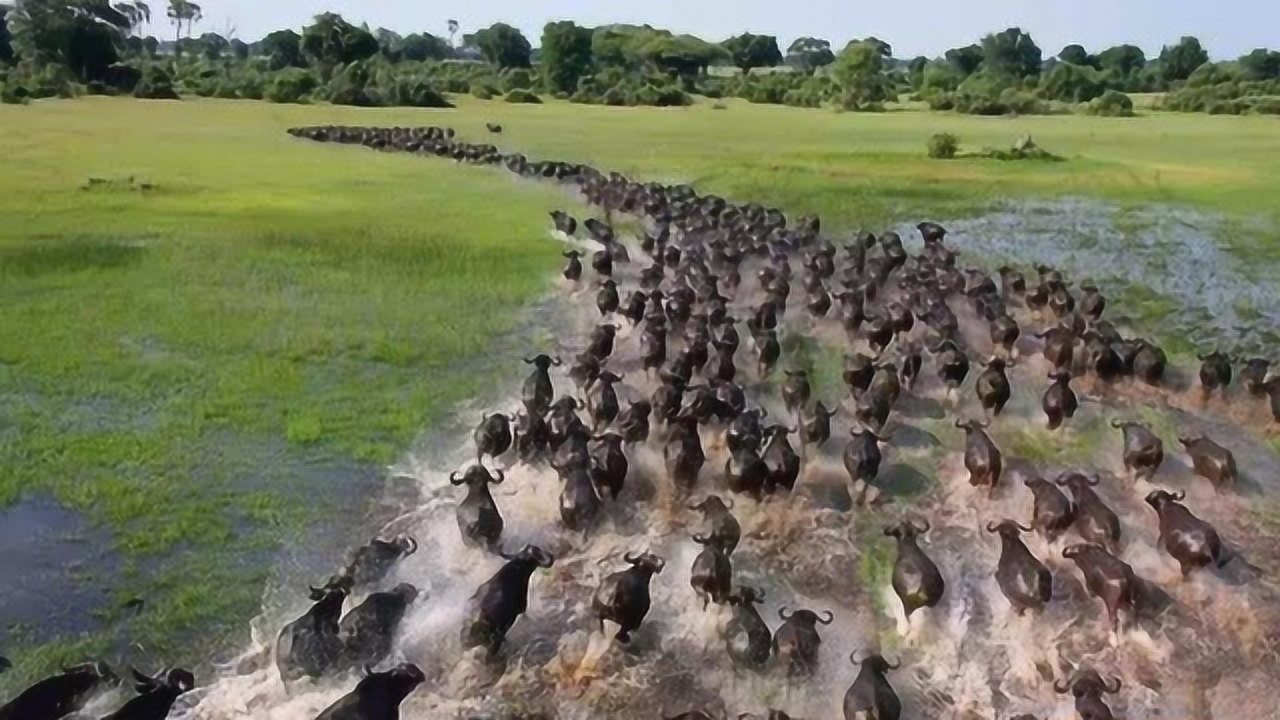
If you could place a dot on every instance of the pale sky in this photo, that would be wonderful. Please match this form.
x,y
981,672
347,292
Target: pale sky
x,y
1227,28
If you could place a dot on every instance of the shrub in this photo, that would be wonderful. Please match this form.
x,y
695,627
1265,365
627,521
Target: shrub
x,y
251,87
1266,106
517,79
614,96
155,85
523,96
943,146
584,97
227,90
414,92
292,85
483,90
1112,103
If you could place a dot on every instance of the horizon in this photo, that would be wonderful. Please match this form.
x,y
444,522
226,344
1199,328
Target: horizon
x,y
1227,30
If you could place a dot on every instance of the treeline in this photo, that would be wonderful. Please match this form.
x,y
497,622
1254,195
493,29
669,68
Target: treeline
x,y
68,47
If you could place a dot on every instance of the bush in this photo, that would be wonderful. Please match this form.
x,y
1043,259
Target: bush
x,y
414,92
155,85
482,91
1112,103
665,96
251,87
517,79
584,97
1266,106
227,90
292,85
523,96
943,146
614,96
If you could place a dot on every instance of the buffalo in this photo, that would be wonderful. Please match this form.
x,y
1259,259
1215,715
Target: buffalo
x,y
796,641
993,387
1143,449
871,697
1059,347
312,645
683,454
1215,372
602,400
478,518
623,597
953,364
916,579
600,345
633,423
1023,579
537,391
377,696
573,268
368,629
1052,513
1106,577
862,459
745,472
1254,376
1087,686
564,222
502,599
1188,539
607,300
1094,521
609,464
1059,401
747,638
815,429
781,459
580,503
493,436
712,574
1211,461
1149,363
156,695
60,695
859,369
530,436
1093,302
372,562
981,456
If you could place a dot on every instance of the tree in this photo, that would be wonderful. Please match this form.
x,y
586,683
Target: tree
x,y
503,46
1261,64
1177,62
1011,52
1122,59
1072,82
137,13
284,48
915,71
965,59
81,35
183,11
330,40
453,30
1077,55
860,73
6,49
423,46
810,53
212,45
566,55
748,51
882,47
240,49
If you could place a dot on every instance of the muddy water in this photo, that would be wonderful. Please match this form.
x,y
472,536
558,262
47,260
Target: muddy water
x,y
1203,648
1177,253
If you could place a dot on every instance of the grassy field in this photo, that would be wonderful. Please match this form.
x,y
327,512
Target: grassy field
x,y
200,366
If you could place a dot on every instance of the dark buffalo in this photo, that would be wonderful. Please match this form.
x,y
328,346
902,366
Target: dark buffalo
x,y
1107,577
723,530
1052,513
1254,376
372,562
1023,579
60,695
1188,539
746,636
1004,333
712,574
601,343
796,390
912,363
768,350
311,645
916,580
607,300
377,696
633,423
1273,390
683,454
502,599
781,460
564,222
981,456
493,436
745,472
862,459
1087,686
156,695
746,430
1094,521
602,261
478,518
602,400
953,364
871,697
1215,372
623,597
796,641
573,268
1093,302
1059,401
609,464
1059,347
1149,363
993,387
1211,461
580,503
537,391
368,629
1143,449
1012,282
859,369
530,436
563,421
815,429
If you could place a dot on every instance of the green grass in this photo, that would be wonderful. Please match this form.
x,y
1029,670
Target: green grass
x,y
185,344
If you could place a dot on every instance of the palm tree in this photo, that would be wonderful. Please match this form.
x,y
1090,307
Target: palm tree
x,y
194,15
136,13
177,12
453,30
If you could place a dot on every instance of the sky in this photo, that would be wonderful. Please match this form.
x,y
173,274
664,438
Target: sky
x,y
1227,28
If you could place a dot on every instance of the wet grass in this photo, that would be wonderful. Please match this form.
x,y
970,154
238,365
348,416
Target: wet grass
x,y
177,362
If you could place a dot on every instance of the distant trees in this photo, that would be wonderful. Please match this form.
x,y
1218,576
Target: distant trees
x,y
965,60
81,35
1125,60
330,41
1177,62
284,49
6,49
859,71
183,11
810,53
503,46
1261,64
1077,55
1011,52
747,51
420,47
566,55
213,45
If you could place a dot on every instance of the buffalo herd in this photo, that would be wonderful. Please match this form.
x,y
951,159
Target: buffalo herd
x,y
696,255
